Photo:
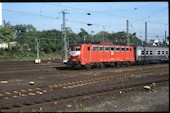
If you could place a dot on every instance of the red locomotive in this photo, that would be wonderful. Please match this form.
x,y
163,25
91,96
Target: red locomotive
x,y
100,55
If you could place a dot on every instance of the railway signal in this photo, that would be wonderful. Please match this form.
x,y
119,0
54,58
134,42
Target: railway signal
x,y
38,60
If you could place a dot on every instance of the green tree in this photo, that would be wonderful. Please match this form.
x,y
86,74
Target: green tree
x,y
119,37
134,40
25,36
83,33
7,35
102,36
73,37
50,40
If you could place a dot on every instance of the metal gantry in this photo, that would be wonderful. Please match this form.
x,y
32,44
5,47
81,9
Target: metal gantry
x,y
65,40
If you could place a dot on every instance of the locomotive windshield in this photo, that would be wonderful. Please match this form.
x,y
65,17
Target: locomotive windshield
x,y
75,48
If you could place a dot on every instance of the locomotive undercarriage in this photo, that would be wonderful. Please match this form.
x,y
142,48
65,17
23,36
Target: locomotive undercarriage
x,y
74,65
77,65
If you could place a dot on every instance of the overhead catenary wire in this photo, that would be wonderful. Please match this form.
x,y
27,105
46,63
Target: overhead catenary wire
x,y
57,18
107,13
152,14
77,8
48,22
28,13
49,17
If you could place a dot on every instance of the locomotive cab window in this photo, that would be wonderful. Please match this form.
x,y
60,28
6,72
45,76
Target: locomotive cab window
x,y
75,48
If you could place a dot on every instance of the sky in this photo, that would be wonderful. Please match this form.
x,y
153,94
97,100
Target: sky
x,y
104,16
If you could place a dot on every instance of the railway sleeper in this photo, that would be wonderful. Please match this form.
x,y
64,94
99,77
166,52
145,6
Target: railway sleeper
x,y
10,106
29,103
5,107
17,105
39,101
47,99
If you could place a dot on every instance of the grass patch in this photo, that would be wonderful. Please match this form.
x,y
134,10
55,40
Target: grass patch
x,y
27,56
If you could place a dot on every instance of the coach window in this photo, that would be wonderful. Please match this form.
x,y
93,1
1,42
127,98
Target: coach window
x,y
166,52
143,53
100,48
95,48
147,52
150,52
162,52
112,48
130,49
117,49
106,48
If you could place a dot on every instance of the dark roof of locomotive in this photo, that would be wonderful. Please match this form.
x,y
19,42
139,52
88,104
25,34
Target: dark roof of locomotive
x,y
101,43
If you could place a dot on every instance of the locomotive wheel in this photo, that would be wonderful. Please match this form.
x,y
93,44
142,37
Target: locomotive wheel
x,y
88,66
127,64
101,65
118,64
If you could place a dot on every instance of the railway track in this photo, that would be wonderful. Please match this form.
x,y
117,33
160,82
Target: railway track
x,y
77,83
89,82
27,105
34,96
17,68
50,68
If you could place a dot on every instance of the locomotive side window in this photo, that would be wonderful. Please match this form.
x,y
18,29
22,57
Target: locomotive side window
x,y
112,48
95,48
100,48
106,48
122,49
117,49
127,49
